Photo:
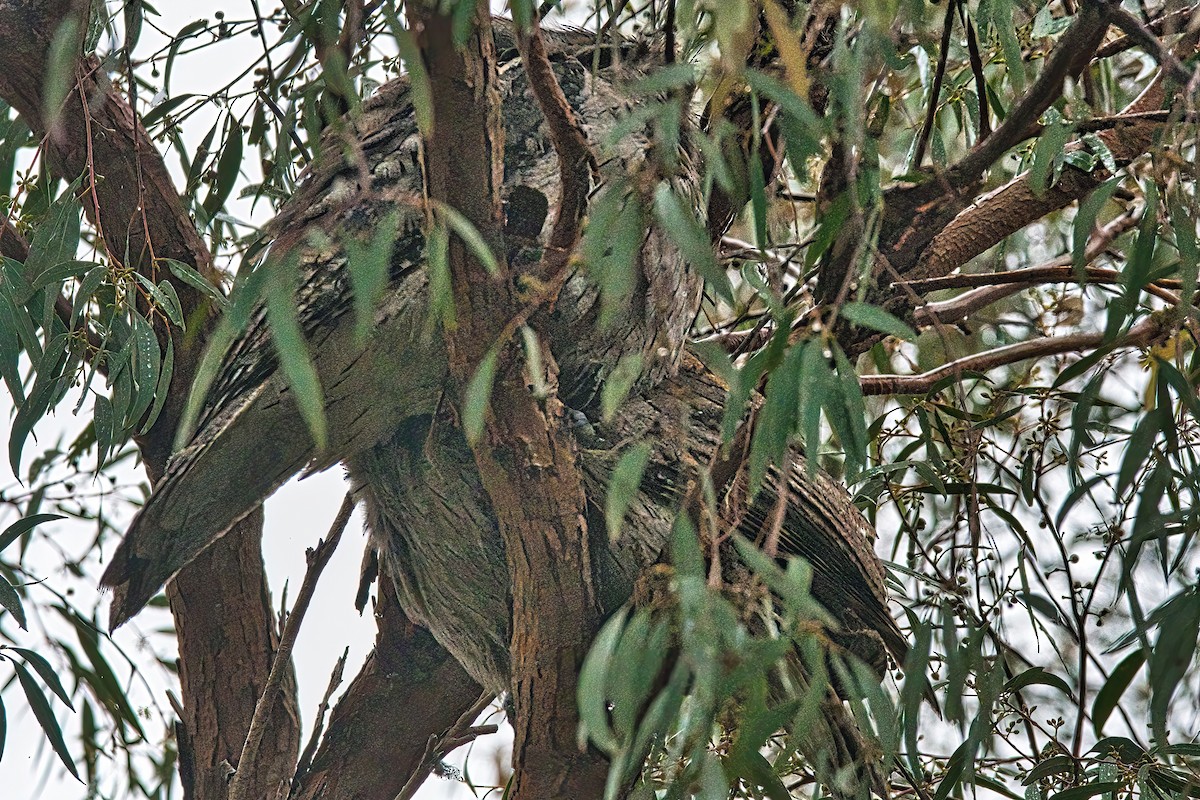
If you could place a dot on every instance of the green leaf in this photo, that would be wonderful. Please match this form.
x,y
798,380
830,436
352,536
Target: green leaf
x,y
164,297
1138,448
623,486
1046,153
370,265
147,361
49,677
1114,688
1085,221
294,358
441,291
462,227
478,396
1184,226
1120,747
163,389
10,601
1172,655
956,766
193,28
1037,675
45,716
192,278
414,65
592,695
535,364
610,248
847,411
10,352
58,77
1090,790
682,227
14,531
1096,145
617,386
46,386
1006,29
1054,765
55,240
164,108
60,272
877,319
87,288
228,165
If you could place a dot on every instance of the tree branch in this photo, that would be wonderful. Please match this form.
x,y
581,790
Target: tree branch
x,y
1016,204
1139,33
576,163
1141,335
247,763
365,753
1070,55
1173,22
461,732
525,457
221,598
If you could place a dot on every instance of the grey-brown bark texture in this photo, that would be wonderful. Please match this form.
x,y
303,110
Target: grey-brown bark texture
x,y
384,404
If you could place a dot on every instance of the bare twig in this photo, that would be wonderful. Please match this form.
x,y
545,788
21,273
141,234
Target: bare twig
x,y
951,311
317,558
1140,34
314,739
1139,335
1166,24
994,286
576,162
936,92
439,746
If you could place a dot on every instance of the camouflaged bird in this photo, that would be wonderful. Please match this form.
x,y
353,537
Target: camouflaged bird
x,y
426,511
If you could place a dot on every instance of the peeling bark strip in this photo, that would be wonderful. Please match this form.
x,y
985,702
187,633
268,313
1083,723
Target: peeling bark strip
x,y
526,459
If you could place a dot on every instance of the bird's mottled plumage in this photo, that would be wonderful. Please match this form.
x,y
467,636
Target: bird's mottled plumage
x,y
249,428
427,512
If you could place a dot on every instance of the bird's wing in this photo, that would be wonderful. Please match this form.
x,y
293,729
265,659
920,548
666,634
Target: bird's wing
x,y
250,438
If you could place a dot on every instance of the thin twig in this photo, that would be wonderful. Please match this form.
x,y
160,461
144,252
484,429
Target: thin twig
x,y
317,558
310,749
1166,24
1139,33
936,92
1139,335
291,129
460,733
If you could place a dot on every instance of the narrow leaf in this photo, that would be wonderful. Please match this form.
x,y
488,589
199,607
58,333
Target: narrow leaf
x,y
45,716
292,348
623,487
14,531
478,395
